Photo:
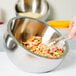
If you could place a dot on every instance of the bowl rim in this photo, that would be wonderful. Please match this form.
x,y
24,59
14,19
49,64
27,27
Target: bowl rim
x,y
10,33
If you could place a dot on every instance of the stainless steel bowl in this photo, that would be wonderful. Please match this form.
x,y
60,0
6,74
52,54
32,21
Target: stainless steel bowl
x,y
20,29
35,6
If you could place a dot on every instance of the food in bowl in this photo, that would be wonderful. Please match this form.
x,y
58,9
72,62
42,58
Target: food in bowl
x,y
30,14
35,45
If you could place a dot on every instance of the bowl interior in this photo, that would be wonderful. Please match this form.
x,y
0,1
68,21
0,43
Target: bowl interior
x,y
23,28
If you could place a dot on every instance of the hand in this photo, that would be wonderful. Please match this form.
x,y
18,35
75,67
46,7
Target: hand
x,y
72,28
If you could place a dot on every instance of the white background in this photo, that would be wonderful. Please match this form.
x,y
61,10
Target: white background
x,y
62,10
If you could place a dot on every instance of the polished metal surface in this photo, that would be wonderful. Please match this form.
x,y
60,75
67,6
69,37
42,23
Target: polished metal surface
x,y
35,6
22,28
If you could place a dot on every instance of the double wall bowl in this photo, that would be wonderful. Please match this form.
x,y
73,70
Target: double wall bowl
x,y
22,28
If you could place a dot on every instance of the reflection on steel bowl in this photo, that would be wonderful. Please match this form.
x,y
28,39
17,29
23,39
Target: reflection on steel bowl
x,y
20,29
